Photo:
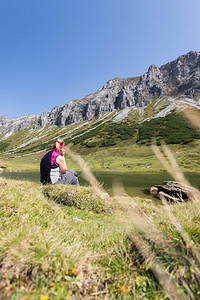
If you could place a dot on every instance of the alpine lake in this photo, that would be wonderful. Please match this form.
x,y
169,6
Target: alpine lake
x,y
134,184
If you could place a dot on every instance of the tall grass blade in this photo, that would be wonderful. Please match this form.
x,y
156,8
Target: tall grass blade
x,y
86,172
189,243
165,279
193,115
169,162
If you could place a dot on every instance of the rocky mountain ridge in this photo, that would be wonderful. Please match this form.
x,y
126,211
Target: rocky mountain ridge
x,y
177,79
10,125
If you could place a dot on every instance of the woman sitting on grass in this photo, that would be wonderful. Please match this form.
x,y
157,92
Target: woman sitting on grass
x,y
53,168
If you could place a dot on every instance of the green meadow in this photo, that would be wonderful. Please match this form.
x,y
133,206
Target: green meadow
x,y
67,242
106,145
128,157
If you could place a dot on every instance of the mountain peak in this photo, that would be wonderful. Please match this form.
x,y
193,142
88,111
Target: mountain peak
x,y
179,78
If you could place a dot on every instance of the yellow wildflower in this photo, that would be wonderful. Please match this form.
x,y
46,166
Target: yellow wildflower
x,y
45,298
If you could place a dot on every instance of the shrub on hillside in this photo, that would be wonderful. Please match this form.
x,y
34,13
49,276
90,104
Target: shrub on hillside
x,y
173,129
3,146
107,134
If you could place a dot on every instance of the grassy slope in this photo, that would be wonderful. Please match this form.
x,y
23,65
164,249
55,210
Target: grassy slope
x,y
23,150
129,157
124,157
92,248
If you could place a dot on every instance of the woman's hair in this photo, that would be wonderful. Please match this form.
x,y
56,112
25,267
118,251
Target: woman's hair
x,y
58,144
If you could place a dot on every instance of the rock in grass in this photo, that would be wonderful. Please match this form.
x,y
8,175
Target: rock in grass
x,y
77,220
79,197
174,192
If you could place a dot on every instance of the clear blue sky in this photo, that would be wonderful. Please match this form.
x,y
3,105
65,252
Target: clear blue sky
x,y
53,51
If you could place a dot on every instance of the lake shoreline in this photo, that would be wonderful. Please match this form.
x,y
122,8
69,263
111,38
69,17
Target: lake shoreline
x,y
106,171
134,184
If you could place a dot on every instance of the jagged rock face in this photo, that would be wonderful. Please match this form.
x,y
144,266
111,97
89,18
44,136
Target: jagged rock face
x,y
16,124
178,78
184,74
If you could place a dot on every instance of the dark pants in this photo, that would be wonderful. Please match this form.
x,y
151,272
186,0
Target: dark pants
x,y
70,177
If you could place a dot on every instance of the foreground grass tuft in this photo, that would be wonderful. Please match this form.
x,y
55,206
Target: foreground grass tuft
x,y
82,250
79,197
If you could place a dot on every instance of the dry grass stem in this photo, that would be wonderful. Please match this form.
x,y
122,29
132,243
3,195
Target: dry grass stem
x,y
192,114
177,174
118,189
170,163
172,167
189,243
145,226
86,171
165,279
